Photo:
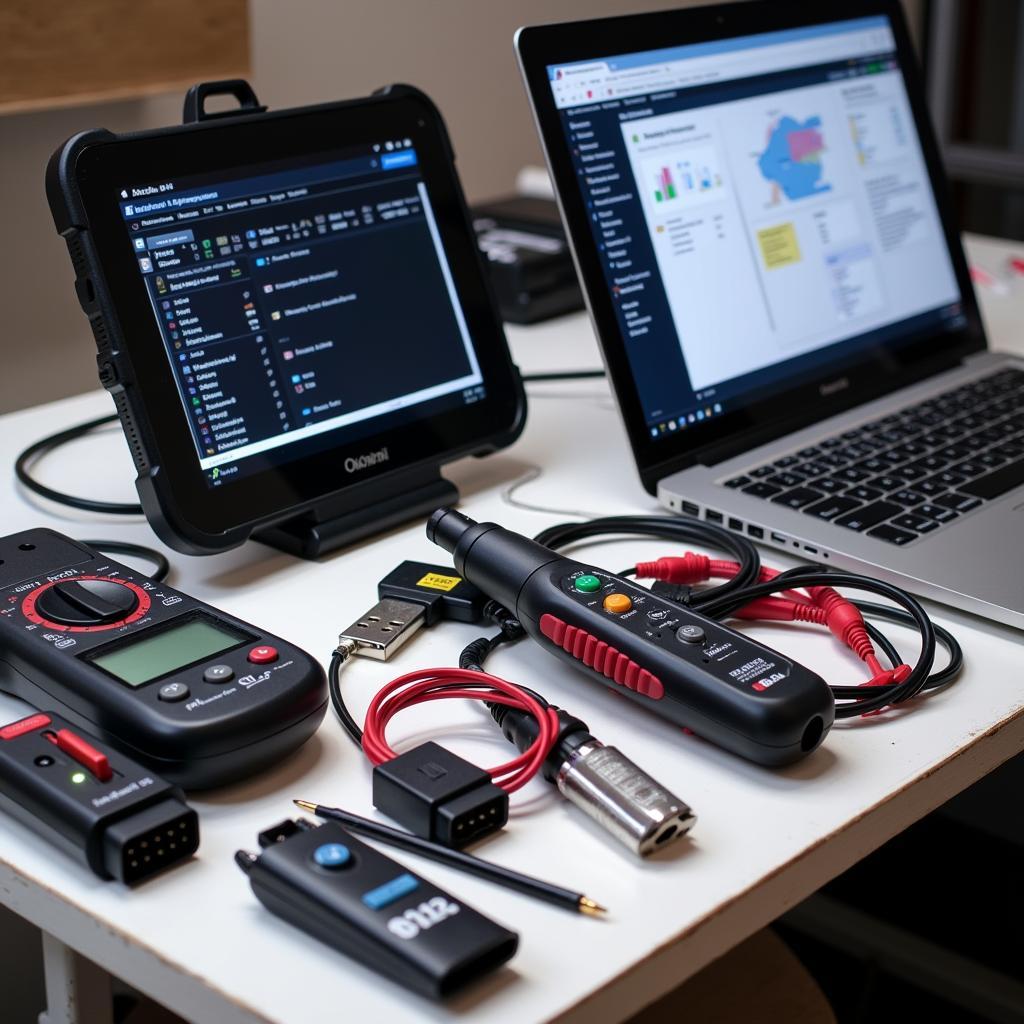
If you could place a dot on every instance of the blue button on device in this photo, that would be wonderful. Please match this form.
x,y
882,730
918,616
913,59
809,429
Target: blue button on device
x,y
386,894
332,855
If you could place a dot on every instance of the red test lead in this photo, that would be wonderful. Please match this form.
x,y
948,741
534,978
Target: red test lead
x,y
823,606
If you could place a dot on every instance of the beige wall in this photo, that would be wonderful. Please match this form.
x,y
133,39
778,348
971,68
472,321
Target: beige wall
x,y
304,51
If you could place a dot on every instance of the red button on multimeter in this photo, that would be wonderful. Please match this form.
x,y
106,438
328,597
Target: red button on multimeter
x,y
263,655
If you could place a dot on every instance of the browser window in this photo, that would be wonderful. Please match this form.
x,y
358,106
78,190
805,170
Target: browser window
x,y
761,207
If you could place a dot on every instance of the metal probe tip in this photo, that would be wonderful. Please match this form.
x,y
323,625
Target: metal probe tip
x,y
306,805
588,906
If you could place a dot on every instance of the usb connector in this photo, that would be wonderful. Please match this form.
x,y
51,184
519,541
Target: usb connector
x,y
412,595
383,629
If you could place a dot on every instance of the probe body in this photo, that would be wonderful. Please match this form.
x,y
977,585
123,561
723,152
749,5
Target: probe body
x,y
689,669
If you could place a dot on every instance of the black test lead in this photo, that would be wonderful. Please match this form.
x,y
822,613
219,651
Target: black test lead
x,y
525,884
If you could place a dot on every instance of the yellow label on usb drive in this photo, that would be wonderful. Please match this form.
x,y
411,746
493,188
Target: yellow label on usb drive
x,y
435,581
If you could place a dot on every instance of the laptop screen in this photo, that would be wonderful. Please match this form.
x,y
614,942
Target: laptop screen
x,y
761,208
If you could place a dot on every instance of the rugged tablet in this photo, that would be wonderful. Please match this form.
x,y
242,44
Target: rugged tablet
x,y
291,315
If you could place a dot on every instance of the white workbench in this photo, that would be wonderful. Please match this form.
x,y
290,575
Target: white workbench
x,y
196,940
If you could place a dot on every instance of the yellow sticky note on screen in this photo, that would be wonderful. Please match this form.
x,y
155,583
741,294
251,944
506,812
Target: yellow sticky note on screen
x,y
779,246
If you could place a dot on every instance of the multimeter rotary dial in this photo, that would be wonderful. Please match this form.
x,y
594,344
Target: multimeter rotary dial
x,y
86,603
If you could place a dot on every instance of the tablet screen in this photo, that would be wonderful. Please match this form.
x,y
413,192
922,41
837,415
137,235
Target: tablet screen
x,y
306,303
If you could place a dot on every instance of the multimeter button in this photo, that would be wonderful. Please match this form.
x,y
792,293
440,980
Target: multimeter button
x,y
332,855
219,674
172,692
691,634
263,655
86,602
617,604
85,754
386,894
587,584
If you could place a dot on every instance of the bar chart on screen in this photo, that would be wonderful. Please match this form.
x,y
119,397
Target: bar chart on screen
x,y
684,176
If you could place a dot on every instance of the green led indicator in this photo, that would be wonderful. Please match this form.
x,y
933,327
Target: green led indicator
x,y
78,778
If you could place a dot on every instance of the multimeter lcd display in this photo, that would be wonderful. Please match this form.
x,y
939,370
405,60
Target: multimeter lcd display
x,y
145,660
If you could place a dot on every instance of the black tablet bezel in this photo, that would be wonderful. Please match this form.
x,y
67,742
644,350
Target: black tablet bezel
x,y
192,508
867,375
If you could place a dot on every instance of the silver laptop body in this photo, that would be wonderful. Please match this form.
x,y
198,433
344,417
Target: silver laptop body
x,y
974,561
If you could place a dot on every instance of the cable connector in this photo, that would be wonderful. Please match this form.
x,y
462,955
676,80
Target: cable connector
x,y
412,595
437,589
439,796
382,630
681,593
691,568
604,783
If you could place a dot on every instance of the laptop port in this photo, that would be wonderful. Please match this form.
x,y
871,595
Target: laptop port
x,y
735,524
778,538
689,508
713,517
756,532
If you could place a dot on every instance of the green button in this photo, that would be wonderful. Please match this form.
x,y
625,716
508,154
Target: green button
x,y
588,584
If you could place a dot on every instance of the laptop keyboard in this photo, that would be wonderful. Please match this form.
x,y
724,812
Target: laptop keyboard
x,y
908,474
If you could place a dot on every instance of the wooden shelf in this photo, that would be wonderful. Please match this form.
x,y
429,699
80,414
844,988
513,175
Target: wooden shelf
x,y
60,54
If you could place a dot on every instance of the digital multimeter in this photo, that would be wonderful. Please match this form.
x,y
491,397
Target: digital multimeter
x,y
199,696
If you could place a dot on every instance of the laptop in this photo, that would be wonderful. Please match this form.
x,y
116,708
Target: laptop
x,y
762,229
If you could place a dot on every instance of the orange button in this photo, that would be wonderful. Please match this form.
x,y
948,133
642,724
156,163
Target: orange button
x,y
617,604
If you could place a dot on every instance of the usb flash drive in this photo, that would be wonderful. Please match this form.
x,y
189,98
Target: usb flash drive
x,y
346,894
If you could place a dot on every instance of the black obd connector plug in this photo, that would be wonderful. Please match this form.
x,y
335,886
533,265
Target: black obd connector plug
x,y
107,811
439,796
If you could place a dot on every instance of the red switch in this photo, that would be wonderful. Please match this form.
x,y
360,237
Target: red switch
x,y
86,755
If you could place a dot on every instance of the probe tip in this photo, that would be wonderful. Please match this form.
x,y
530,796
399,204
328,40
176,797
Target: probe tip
x,y
588,906
306,805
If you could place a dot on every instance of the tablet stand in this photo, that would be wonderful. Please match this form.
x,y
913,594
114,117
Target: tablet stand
x,y
366,509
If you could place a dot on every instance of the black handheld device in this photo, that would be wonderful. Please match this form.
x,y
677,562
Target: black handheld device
x,y
354,898
195,694
104,809
290,313
689,669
